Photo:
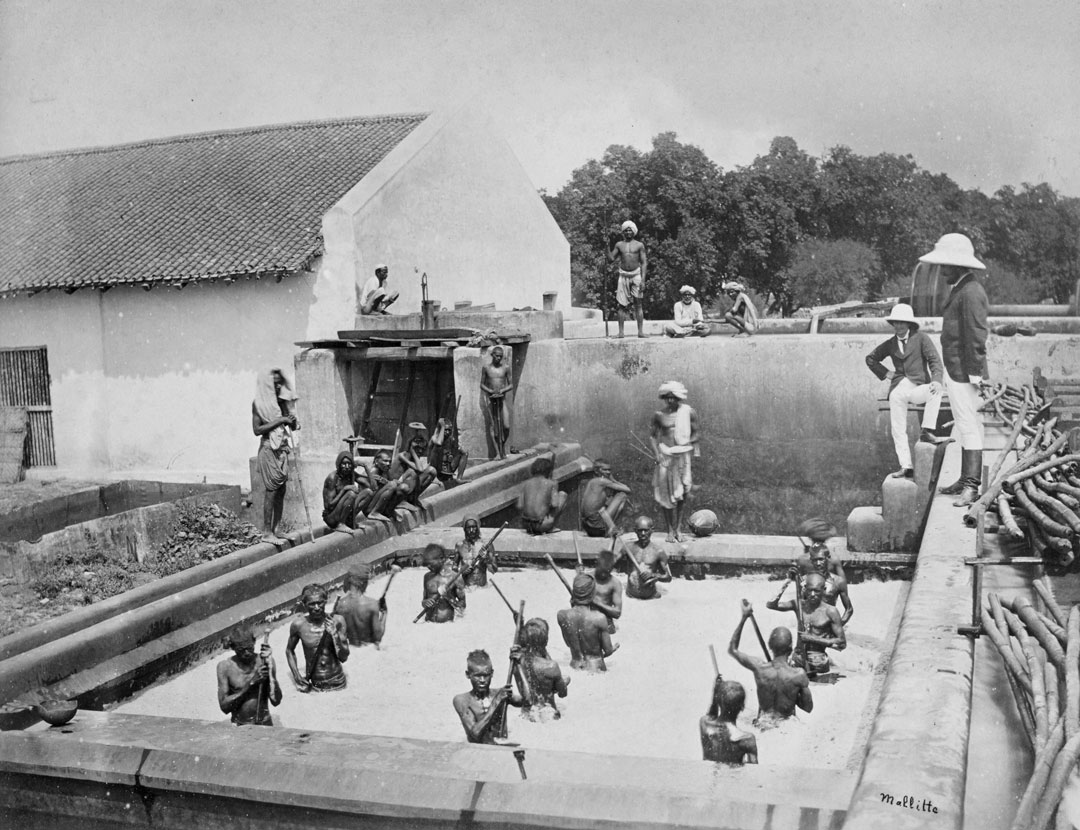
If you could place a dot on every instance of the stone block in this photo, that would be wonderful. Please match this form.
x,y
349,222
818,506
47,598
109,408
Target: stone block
x,y
865,530
900,515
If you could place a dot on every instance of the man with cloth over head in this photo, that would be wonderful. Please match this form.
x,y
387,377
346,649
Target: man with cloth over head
x,y
689,319
629,290
915,379
963,350
584,629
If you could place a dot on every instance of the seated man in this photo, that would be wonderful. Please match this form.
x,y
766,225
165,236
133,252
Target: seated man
x,y
543,677
584,629
821,626
344,499
326,645
540,501
608,596
916,378
446,455
689,319
780,686
652,559
390,492
483,714
742,314
247,685
442,586
474,558
602,501
416,470
375,298
721,739
365,618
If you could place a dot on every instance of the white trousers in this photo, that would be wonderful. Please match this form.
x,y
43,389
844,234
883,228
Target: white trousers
x,y
904,394
967,422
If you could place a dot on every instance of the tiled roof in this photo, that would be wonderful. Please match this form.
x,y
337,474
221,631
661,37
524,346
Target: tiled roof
x,y
226,204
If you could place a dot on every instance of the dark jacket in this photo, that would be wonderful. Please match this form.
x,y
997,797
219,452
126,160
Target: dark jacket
x,y
964,330
919,363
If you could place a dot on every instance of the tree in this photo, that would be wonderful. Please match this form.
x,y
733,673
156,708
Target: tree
x,y
826,271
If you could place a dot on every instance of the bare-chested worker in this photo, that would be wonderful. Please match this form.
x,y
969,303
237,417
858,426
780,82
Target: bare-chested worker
x,y
543,677
540,501
721,739
475,558
442,586
674,438
608,596
326,645
247,684
365,618
602,501
345,496
390,492
584,629
446,455
630,255
479,710
780,686
822,628
653,560
416,471
817,558
496,383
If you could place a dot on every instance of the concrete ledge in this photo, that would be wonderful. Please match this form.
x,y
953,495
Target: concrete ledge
x,y
866,529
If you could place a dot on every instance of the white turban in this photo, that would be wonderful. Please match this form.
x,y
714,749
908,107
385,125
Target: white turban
x,y
630,225
687,289
734,285
673,387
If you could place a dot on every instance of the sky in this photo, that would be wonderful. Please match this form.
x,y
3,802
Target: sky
x,y
983,91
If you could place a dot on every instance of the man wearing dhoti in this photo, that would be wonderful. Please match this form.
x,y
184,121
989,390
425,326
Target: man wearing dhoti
x,y
674,436
630,254
272,420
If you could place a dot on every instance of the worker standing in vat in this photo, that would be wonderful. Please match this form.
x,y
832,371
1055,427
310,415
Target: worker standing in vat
x,y
914,379
781,687
365,618
602,501
821,626
478,709
495,382
721,739
442,586
272,420
543,677
540,501
689,320
375,298
608,596
344,499
963,349
653,560
817,558
474,558
326,645
584,629
245,681
674,438
630,254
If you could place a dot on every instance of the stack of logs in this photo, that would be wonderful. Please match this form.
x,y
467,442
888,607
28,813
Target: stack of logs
x,y
1038,497
1042,661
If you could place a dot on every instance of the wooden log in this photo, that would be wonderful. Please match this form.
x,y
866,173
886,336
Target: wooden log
x,y
1072,675
1023,608
1042,588
1044,762
1004,649
1055,785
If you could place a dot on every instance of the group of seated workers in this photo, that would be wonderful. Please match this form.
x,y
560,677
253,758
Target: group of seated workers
x,y
353,492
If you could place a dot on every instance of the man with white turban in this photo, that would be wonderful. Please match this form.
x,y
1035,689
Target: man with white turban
x,y
630,254
689,319
674,436
375,298
742,314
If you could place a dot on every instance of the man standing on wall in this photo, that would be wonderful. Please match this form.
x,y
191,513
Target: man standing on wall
x,y
963,349
915,379
630,254
374,296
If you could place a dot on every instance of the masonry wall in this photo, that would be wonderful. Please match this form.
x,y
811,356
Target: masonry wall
x,y
453,201
160,380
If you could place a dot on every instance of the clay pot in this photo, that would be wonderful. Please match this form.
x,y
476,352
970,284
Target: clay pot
x,y
57,712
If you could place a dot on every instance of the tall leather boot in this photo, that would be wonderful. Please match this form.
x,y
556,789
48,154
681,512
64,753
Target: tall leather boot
x,y
970,477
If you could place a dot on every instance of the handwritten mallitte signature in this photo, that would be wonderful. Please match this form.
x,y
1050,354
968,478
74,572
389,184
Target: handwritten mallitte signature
x,y
910,802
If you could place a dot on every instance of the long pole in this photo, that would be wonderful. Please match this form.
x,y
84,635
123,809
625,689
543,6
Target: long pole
x,y
303,494
764,648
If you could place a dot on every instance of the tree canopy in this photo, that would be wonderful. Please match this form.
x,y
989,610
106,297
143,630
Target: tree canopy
x,y
801,230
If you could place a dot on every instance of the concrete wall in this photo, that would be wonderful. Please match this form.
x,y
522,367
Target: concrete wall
x,y
160,380
453,201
